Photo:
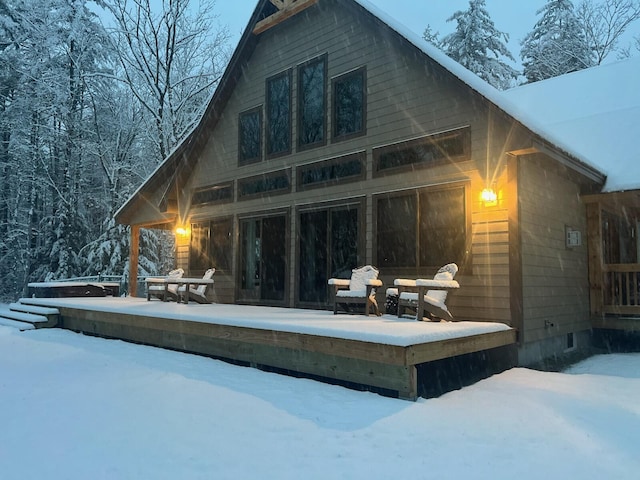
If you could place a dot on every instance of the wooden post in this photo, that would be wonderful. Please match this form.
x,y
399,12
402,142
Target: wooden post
x,y
515,249
594,249
134,247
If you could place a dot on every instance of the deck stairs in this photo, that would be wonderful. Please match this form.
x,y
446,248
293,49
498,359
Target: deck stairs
x,y
23,316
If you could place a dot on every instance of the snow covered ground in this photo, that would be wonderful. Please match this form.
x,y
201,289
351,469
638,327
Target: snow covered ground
x,y
77,407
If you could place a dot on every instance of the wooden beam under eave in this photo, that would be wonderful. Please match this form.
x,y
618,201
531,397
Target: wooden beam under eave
x,y
282,15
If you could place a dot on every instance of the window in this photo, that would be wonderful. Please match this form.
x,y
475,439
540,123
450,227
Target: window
x,y
221,244
211,246
328,245
336,170
423,152
271,183
279,114
349,104
423,228
215,194
312,102
199,248
619,242
263,258
250,136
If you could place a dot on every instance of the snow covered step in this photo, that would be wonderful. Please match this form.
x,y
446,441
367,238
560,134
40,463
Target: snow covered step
x,y
7,322
52,315
35,309
37,321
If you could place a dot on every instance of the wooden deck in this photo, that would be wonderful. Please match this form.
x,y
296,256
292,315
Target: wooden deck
x,y
379,353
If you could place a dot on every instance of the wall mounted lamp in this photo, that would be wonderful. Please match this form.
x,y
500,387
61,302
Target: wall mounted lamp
x,y
182,231
489,197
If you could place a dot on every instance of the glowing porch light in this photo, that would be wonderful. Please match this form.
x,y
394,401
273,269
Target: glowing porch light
x,y
182,231
489,197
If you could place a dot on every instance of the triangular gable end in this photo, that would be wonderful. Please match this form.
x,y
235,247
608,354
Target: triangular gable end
x,y
268,14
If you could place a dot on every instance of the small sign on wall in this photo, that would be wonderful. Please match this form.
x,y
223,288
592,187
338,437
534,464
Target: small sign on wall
x,y
573,237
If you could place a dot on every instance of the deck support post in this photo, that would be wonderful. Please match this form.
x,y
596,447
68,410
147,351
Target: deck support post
x,y
134,247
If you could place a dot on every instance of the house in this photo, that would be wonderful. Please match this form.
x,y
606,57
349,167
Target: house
x,y
593,114
337,139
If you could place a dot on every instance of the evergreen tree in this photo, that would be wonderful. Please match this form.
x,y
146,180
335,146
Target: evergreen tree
x,y
479,46
432,37
557,44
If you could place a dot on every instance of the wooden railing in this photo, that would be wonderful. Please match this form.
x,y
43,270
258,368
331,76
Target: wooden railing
x,y
621,288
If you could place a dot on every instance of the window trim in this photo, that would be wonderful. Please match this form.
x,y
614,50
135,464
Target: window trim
x,y
288,73
363,131
307,146
248,161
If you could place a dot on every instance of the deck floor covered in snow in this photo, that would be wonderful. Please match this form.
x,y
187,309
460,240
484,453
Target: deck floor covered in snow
x,y
380,352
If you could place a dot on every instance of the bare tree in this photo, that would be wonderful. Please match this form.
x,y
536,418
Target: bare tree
x,y
172,59
605,22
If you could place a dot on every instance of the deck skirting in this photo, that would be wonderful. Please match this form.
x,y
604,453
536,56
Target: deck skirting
x,y
385,368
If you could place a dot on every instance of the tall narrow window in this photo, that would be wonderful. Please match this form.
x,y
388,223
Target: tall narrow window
x,y
279,114
250,136
199,248
397,231
312,103
328,246
221,244
349,102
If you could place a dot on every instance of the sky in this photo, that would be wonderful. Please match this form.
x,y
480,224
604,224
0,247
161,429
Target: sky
x,y
515,17
78,407
414,14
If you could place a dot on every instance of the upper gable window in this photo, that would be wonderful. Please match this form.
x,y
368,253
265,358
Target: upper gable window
x,y
250,136
278,114
220,193
312,99
349,104
423,152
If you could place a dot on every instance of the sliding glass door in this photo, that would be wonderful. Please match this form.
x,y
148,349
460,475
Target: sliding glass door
x,y
328,246
263,259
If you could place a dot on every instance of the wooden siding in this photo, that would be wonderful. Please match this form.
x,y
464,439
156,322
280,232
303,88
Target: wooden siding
x,y
408,96
554,277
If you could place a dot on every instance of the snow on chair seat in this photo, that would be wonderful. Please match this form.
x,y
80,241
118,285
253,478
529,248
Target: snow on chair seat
x,y
164,291
359,289
197,294
433,301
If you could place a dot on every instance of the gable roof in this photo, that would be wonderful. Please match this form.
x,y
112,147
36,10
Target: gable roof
x,y
182,156
596,114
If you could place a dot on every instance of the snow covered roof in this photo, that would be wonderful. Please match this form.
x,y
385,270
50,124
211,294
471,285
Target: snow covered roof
x,y
596,114
592,115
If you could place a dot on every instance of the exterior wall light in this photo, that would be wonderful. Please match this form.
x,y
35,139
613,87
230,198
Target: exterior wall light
x,y
489,197
182,231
